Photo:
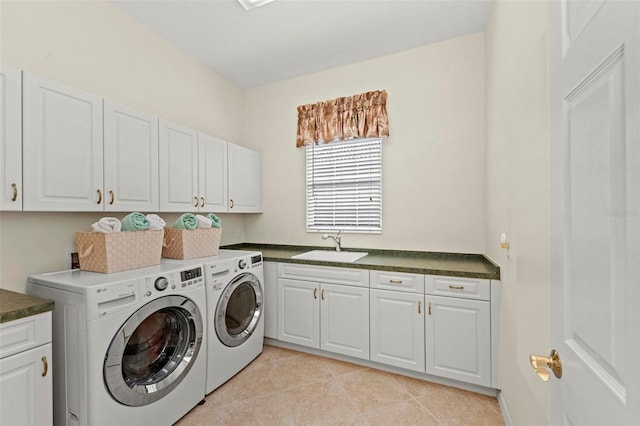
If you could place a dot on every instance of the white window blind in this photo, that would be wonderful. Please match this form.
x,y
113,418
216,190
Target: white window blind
x,y
344,186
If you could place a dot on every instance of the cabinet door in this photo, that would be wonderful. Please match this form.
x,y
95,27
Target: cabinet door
x,y
130,159
62,147
26,392
458,342
212,182
245,179
178,168
344,320
397,329
10,138
298,312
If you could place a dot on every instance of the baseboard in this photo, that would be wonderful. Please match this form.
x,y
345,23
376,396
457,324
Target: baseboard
x,y
505,410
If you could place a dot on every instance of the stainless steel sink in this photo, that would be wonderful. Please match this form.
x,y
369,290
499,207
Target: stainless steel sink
x,y
331,256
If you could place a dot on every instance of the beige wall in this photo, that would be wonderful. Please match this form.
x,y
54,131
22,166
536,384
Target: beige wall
x,y
518,196
433,162
95,47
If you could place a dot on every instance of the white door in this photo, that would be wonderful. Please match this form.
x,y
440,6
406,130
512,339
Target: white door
x,y
10,138
397,329
245,179
178,168
212,168
62,147
595,210
344,320
130,159
298,312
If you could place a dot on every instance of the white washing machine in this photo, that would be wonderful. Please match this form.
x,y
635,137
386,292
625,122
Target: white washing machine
x,y
129,348
235,306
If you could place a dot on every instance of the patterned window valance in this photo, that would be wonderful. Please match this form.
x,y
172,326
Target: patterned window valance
x,y
358,116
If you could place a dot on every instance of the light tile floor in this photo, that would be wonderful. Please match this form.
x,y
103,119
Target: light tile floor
x,y
284,387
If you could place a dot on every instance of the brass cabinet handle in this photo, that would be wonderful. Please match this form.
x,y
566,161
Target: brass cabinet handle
x,y
99,196
45,365
195,201
541,363
15,192
429,308
419,307
315,293
230,204
456,287
113,197
201,201
322,294
395,281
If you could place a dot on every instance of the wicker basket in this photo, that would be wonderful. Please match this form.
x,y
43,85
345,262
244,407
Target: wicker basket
x,y
118,251
191,243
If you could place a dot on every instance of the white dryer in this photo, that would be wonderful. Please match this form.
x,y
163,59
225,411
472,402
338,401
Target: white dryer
x,y
129,348
235,307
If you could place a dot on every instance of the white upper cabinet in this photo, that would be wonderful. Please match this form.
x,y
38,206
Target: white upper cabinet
x,y
62,147
178,168
10,138
245,180
212,168
130,159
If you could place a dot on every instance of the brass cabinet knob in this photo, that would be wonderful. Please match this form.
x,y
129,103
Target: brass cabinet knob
x,y
15,192
113,197
315,293
541,363
99,196
45,366
201,201
195,201
230,204
419,307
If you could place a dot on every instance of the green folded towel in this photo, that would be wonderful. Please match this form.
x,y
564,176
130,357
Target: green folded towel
x,y
135,222
215,220
186,221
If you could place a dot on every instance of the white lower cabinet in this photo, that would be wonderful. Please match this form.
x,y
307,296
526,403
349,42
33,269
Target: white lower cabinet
x,y
458,339
270,300
397,329
329,316
344,320
298,312
436,325
397,319
26,387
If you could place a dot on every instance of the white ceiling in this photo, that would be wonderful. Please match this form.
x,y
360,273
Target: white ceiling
x,y
290,38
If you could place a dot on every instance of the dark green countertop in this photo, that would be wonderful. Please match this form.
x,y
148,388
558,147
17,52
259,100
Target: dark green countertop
x,y
14,305
417,262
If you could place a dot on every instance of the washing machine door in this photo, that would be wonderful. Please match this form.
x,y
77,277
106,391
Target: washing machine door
x,y
239,309
153,350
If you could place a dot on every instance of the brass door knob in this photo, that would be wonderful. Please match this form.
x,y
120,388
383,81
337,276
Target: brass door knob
x,y
541,363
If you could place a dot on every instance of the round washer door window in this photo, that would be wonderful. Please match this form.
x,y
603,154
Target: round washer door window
x,y
238,310
153,350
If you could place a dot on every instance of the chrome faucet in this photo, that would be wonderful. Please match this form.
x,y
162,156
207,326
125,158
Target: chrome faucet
x,y
336,239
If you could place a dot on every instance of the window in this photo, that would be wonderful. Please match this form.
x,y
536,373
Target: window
x,y
344,186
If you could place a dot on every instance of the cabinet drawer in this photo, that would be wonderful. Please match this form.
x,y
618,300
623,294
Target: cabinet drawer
x,y
24,333
398,281
325,274
467,288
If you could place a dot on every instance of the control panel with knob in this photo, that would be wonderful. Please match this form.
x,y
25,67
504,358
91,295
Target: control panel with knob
x,y
161,283
242,264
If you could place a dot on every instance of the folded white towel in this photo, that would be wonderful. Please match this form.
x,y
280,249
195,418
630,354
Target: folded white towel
x,y
155,221
107,225
203,221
